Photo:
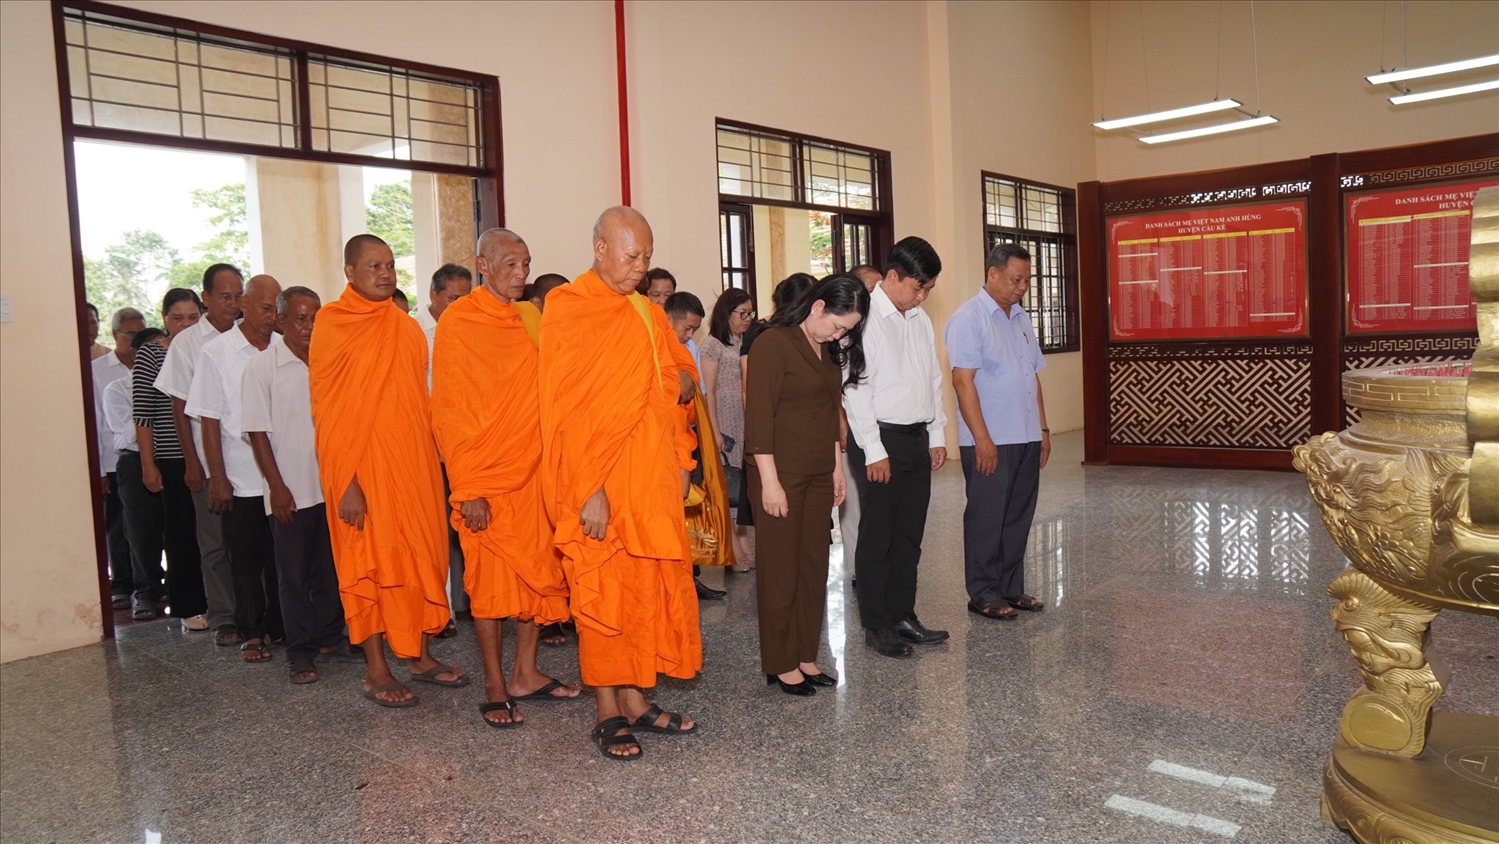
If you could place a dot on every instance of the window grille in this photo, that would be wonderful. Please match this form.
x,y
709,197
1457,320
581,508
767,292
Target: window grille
x,y
1039,218
794,170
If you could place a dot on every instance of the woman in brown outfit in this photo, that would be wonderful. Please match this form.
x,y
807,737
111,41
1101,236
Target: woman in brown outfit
x,y
798,369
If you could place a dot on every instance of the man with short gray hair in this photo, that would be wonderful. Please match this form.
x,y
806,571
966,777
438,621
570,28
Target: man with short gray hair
x,y
107,369
1003,440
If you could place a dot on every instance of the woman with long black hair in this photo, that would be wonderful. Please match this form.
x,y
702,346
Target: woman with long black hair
x,y
798,370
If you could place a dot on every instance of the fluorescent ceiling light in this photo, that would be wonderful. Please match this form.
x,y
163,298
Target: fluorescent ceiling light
x,y
1173,114
1209,130
1434,70
1491,85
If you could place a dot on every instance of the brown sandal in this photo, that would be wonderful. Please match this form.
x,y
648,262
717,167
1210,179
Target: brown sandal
x,y
992,609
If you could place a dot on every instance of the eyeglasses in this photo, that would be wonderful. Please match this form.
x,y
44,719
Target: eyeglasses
x,y
743,314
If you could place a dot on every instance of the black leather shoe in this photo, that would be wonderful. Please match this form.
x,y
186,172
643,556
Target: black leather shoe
x,y
802,689
886,643
706,592
912,631
826,680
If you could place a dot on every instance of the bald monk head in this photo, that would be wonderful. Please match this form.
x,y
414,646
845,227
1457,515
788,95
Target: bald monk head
x,y
370,267
622,248
545,284
258,305
867,274
504,262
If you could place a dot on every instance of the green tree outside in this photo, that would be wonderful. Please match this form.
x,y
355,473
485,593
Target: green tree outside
x,y
389,217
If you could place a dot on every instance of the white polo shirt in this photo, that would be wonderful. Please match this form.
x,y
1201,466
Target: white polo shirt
x,y
216,394
107,370
428,323
176,376
277,401
119,418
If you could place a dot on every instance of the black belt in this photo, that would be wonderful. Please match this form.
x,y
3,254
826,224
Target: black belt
x,y
913,428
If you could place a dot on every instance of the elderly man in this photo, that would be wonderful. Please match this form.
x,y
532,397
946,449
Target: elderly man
x,y
108,369
486,415
615,475
1003,440
277,418
235,488
222,287
896,441
367,368
545,284
871,276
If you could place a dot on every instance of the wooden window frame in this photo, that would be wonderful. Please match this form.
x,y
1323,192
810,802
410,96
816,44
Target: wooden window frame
x,y
1067,239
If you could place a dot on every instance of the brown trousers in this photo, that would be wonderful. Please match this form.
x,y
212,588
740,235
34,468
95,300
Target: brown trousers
x,y
791,568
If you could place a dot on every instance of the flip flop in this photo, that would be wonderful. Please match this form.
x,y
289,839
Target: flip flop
x,y
1025,603
430,676
227,635
604,738
545,692
992,609
495,706
255,647
392,686
303,666
554,633
647,722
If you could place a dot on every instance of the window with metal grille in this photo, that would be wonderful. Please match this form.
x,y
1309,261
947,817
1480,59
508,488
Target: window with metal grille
x,y
1040,218
789,169
139,77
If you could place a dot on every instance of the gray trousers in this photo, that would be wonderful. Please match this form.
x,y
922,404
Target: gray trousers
x,y
997,520
848,516
218,576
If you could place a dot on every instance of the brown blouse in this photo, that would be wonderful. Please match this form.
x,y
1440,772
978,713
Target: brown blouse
x,y
791,407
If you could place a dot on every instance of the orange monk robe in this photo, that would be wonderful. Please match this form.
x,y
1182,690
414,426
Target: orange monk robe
x,y
709,527
368,371
609,392
486,416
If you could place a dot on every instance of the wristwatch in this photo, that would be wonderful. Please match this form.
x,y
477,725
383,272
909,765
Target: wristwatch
x,y
1045,430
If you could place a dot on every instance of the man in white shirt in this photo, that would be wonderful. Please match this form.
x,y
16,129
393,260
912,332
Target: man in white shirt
x,y
277,417
234,484
222,288
108,369
896,441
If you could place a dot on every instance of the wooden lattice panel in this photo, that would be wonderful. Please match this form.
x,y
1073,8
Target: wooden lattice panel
x,y
1210,396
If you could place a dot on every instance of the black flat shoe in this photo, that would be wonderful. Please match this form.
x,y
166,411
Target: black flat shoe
x,y
706,592
887,643
802,689
912,630
823,680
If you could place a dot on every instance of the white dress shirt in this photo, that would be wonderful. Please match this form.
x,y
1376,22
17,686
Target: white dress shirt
x,y
216,394
176,376
902,380
428,323
107,370
119,418
277,401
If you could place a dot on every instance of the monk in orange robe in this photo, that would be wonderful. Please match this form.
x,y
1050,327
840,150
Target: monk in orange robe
x,y
709,524
615,474
486,414
378,464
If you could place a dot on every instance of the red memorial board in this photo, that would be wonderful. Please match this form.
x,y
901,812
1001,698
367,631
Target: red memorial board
x,y
1408,259
1209,273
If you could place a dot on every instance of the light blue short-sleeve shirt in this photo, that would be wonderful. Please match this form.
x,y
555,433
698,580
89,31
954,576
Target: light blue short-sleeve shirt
x,y
1002,350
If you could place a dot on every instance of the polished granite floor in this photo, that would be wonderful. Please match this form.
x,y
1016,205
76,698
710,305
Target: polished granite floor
x,y
1183,685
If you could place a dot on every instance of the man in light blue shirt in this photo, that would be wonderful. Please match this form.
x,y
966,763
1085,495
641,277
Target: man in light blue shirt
x,y
1002,435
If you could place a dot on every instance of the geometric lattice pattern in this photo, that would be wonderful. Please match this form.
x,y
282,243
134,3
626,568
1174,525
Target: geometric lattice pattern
x,y
1394,351
1228,396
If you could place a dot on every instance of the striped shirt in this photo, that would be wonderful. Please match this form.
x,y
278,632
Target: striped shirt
x,y
153,409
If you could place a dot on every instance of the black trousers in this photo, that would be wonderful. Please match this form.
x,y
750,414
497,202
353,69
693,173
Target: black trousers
x,y
791,569
180,538
252,559
121,577
307,582
997,520
457,595
891,525
144,522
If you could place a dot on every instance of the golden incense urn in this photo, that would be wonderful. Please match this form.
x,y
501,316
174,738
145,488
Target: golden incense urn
x,y
1411,495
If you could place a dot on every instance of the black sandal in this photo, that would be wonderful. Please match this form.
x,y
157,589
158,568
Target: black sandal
x,y
303,666
647,722
545,692
1025,603
992,609
496,706
604,737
